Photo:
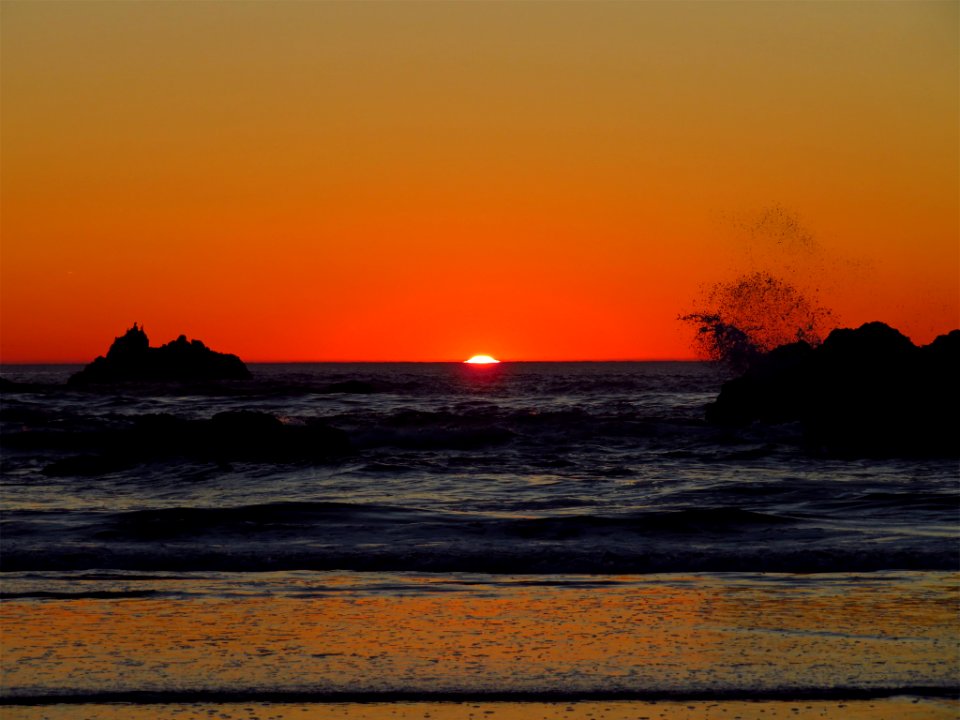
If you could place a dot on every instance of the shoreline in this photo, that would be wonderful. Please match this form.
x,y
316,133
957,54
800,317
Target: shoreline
x,y
338,638
895,708
306,697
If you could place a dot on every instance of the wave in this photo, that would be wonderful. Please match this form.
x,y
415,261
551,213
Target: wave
x,y
378,537
594,467
111,441
897,502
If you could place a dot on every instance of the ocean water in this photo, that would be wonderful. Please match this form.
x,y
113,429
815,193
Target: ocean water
x,y
591,499
523,468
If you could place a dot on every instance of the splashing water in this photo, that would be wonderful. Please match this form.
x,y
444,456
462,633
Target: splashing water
x,y
770,303
751,315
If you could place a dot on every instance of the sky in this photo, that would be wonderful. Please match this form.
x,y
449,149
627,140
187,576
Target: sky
x,y
310,181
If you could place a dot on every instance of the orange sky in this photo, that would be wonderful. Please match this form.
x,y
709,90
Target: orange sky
x,y
428,180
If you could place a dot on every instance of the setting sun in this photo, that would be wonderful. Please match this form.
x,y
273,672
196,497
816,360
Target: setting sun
x,y
481,360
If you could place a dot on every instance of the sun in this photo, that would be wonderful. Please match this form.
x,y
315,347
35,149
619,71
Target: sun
x,y
481,360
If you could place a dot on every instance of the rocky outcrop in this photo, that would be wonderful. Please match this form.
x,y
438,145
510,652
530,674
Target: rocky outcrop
x,y
131,359
868,391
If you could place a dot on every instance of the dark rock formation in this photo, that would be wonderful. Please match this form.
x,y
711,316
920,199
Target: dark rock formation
x,y
868,391
131,359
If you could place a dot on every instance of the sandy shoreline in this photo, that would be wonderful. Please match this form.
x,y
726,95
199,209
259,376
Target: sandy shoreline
x,y
299,637
896,708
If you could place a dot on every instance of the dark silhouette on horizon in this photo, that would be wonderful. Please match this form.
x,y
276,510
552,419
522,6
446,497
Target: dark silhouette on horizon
x,y
868,391
131,359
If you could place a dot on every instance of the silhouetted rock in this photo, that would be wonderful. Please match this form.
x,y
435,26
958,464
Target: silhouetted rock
x,y
131,359
771,391
865,391
944,351
129,346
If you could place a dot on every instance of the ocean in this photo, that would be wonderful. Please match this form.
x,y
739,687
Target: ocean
x,y
548,532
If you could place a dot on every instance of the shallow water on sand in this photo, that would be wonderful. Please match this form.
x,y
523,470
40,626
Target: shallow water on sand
x,y
395,634
899,708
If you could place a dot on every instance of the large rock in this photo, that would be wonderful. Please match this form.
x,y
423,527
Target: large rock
x,y
867,391
131,359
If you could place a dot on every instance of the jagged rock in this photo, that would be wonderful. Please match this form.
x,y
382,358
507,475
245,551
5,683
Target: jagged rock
x,y
131,359
865,391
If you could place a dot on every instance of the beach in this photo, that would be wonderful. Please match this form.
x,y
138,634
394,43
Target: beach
x,y
317,643
901,708
552,540
479,359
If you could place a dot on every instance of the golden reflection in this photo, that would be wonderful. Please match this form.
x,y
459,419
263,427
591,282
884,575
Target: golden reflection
x,y
888,709
699,634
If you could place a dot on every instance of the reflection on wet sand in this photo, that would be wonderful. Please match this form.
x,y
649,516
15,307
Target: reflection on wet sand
x,y
330,632
905,708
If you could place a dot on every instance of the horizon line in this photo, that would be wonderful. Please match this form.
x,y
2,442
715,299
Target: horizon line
x,y
386,362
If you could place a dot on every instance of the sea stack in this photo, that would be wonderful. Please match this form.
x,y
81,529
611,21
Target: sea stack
x,y
131,359
868,391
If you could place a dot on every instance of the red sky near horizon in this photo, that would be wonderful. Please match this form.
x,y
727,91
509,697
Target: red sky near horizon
x,y
427,181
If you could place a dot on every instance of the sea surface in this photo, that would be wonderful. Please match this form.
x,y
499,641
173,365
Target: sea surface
x,y
592,500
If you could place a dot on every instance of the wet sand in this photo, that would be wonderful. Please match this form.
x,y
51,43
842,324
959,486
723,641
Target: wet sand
x,y
905,708
900,708
677,646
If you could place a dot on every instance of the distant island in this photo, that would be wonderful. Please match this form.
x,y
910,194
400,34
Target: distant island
x,y
131,359
868,391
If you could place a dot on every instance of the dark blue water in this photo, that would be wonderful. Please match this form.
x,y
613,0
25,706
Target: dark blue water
x,y
515,468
